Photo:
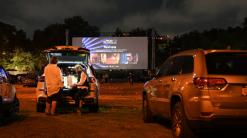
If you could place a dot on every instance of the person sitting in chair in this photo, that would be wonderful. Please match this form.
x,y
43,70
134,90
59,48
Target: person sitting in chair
x,y
81,87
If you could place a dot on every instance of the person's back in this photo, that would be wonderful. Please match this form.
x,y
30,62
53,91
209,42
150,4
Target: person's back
x,y
53,80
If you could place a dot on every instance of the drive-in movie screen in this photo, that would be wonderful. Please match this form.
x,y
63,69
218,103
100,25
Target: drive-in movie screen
x,y
116,52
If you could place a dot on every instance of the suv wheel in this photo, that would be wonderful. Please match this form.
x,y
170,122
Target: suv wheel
x,y
147,114
180,128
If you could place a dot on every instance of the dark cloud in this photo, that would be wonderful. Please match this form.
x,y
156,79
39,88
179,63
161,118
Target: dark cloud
x,y
167,16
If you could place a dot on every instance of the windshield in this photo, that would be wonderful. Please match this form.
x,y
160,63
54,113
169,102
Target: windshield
x,y
227,63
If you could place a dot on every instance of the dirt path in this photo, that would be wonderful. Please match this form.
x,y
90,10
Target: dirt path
x,y
119,117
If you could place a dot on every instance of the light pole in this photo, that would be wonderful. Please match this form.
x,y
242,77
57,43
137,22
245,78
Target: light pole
x,y
153,49
67,36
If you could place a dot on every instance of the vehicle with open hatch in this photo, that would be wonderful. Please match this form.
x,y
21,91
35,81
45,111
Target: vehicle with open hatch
x,y
68,57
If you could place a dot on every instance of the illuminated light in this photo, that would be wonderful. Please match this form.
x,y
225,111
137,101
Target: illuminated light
x,y
209,83
205,97
194,99
68,62
182,88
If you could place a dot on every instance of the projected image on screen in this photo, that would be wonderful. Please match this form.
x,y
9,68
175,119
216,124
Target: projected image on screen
x,y
115,52
105,58
129,58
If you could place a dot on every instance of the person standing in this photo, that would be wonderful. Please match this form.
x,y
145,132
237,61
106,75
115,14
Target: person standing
x,y
131,79
54,83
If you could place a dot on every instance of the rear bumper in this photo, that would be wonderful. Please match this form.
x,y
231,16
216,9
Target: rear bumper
x,y
205,115
202,108
88,99
232,123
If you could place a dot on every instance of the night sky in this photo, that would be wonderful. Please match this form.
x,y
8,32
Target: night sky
x,y
167,16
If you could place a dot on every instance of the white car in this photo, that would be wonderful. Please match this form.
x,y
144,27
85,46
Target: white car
x,y
68,57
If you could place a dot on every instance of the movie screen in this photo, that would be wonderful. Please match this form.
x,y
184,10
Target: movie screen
x,y
115,52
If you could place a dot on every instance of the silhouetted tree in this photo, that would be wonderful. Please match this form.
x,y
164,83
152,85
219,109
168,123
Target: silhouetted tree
x,y
215,38
11,38
138,32
79,27
54,34
245,22
118,32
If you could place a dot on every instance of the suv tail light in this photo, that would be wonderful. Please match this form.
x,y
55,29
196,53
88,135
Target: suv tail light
x,y
209,83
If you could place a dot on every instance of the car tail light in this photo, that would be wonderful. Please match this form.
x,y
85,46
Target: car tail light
x,y
209,83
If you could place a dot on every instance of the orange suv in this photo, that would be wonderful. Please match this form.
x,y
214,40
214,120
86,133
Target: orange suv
x,y
199,90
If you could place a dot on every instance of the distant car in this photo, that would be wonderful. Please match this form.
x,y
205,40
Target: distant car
x,y
29,80
68,57
199,90
9,103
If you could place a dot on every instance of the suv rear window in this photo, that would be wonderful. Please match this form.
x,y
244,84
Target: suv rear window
x,y
227,63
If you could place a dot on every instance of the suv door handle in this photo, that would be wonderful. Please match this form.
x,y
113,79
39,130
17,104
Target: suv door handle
x,y
173,79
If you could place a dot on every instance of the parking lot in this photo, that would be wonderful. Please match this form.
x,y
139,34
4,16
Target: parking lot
x,y
119,116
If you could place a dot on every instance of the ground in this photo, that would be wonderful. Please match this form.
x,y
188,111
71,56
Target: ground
x,y
119,117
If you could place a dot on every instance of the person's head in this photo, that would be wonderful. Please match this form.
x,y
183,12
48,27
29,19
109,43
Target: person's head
x,y
78,68
53,60
129,57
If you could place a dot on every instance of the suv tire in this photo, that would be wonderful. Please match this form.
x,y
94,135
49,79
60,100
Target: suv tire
x,y
180,127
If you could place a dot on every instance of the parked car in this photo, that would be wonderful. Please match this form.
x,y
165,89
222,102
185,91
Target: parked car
x,y
199,90
68,57
9,103
29,80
